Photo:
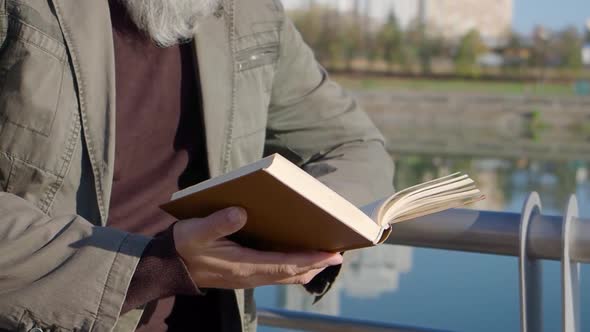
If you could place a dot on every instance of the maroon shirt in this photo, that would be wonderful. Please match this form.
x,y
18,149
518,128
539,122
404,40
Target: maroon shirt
x,y
159,131
159,149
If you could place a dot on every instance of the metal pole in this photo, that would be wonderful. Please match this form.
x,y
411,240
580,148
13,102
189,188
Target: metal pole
x,y
491,232
305,321
530,271
570,271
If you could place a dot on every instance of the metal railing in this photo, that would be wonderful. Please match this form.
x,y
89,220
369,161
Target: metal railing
x,y
529,235
304,321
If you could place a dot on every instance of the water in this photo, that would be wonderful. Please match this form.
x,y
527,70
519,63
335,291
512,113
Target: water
x,y
453,290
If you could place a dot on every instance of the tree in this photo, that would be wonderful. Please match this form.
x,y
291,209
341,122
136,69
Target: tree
x,y
470,48
389,40
418,46
515,53
570,49
310,24
372,49
319,28
349,41
514,41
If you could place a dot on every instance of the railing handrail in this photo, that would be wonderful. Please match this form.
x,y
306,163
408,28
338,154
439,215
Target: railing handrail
x,y
306,321
492,233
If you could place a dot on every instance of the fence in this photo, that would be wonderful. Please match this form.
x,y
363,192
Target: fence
x,y
529,235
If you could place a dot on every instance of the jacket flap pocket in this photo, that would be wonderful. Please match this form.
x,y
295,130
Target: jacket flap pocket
x,y
257,56
31,72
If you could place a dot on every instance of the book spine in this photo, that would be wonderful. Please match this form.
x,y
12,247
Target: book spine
x,y
383,234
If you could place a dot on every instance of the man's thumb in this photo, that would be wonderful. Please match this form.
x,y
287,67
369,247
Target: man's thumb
x,y
219,224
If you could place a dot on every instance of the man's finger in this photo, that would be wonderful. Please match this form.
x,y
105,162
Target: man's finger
x,y
217,225
301,279
283,265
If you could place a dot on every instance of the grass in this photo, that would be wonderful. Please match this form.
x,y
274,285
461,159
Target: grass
x,y
510,88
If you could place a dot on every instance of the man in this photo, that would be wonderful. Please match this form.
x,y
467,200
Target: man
x,y
107,108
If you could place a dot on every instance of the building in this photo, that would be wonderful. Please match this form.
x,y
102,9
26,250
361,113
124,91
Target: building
x,y
405,10
450,19
372,272
367,273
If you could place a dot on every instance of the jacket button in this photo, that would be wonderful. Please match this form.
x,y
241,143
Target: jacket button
x,y
36,329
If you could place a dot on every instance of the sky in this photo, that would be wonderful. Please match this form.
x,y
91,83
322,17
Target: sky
x,y
555,14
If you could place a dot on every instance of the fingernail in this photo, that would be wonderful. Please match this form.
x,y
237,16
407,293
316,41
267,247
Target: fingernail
x,y
236,215
335,260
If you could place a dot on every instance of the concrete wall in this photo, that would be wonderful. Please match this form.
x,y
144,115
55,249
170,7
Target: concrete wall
x,y
482,125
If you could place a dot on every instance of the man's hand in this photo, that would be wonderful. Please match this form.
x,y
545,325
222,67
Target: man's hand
x,y
216,262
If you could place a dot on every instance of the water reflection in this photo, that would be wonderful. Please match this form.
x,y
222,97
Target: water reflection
x,y
372,272
504,182
366,274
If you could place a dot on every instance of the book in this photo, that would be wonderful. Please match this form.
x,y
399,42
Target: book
x,y
289,210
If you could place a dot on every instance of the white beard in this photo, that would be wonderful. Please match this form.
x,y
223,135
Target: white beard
x,y
169,22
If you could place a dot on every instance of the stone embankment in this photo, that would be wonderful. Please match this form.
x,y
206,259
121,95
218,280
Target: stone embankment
x,y
486,125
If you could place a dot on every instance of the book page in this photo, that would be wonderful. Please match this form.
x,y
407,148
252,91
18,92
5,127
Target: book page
x,y
372,210
439,200
463,184
435,208
433,196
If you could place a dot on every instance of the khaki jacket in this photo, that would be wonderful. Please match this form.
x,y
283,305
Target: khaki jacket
x,y
263,92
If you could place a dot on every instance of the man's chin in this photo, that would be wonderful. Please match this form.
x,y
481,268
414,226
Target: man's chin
x,y
169,22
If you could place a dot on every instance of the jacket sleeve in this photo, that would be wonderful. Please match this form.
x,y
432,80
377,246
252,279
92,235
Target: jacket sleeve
x,y
61,273
317,124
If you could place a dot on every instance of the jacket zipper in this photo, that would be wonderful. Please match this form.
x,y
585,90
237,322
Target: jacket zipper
x,y
256,57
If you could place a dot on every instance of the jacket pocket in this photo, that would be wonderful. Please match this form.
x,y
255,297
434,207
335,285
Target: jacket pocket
x,y
73,322
31,73
256,67
257,56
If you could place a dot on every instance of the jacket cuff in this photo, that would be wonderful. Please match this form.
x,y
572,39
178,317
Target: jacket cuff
x,y
321,283
122,269
160,273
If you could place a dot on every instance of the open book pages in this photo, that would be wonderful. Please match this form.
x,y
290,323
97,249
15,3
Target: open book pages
x,y
426,198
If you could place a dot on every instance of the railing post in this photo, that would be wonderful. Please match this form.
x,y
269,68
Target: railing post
x,y
530,271
570,270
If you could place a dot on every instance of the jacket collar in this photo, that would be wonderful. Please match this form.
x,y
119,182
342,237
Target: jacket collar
x,y
87,30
